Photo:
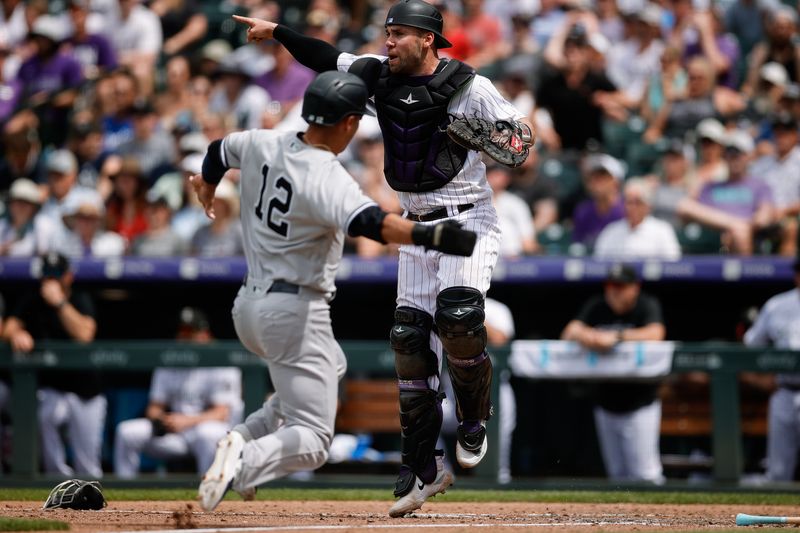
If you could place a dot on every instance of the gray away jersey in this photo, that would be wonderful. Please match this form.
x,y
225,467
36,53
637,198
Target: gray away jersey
x,y
297,202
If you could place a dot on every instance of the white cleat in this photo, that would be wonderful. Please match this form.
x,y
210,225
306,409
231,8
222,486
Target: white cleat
x,y
471,447
421,491
227,463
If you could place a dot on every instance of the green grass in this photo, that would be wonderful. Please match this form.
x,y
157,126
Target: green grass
x,y
26,524
456,495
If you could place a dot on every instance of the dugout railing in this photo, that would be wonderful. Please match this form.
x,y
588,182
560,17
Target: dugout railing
x,y
722,361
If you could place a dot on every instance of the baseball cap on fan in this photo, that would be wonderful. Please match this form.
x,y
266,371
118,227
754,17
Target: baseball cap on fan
x,y
622,273
54,265
25,190
605,163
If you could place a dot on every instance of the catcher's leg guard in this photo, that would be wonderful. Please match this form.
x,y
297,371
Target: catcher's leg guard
x,y
420,406
459,319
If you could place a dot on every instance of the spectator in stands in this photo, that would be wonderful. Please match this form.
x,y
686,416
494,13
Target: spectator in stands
x,y
189,411
703,34
126,205
745,20
768,92
778,325
540,193
234,94
549,18
673,183
781,172
115,94
514,85
183,24
85,140
287,80
12,21
138,40
514,216
223,236
68,399
212,55
741,195
639,234
23,232
576,97
604,205
84,235
780,46
92,50
50,79
665,85
703,99
151,146
484,33
62,182
711,166
633,61
10,87
174,104
159,240
22,154
627,414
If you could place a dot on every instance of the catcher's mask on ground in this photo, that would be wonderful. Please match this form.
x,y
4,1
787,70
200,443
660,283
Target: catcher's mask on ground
x,y
76,494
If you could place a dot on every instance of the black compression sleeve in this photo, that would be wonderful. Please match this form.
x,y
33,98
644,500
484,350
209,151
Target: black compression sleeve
x,y
310,52
213,167
368,223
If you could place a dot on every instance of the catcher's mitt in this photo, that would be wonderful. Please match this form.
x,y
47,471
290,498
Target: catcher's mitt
x,y
506,142
76,494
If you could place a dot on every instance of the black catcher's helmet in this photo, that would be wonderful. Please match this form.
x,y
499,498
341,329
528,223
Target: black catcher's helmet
x,y
418,14
334,95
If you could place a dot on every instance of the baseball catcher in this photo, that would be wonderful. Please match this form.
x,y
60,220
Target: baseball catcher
x,y
76,494
507,142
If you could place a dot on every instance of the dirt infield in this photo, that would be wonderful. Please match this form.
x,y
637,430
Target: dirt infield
x,y
435,516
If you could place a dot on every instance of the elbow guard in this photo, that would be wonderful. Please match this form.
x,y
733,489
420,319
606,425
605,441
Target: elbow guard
x,y
368,223
213,165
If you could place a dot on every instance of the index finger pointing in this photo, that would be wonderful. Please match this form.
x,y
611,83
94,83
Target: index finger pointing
x,y
244,20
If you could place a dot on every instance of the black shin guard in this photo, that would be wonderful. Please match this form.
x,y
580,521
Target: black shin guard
x,y
472,381
420,421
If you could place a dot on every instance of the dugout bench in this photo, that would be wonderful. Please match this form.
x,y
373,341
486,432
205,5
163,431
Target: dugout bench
x,y
367,360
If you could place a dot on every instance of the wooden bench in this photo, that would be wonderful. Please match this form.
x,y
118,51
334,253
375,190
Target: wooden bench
x,y
369,406
687,413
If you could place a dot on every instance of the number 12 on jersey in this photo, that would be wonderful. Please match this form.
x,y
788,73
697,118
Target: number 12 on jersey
x,y
276,203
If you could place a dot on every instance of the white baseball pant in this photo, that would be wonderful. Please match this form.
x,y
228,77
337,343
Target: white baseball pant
x,y
84,420
136,436
783,435
629,443
294,428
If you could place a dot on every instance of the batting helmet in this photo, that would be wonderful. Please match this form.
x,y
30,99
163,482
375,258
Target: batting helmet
x,y
334,95
418,14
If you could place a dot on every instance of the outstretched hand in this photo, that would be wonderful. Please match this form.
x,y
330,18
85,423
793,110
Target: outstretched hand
x,y
205,193
257,29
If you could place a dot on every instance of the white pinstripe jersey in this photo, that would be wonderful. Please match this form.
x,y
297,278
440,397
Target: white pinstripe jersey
x,y
477,98
297,202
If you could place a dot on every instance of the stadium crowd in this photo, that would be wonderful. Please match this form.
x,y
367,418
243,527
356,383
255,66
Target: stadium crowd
x,y
106,107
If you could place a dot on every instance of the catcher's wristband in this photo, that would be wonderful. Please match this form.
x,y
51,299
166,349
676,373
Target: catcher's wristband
x,y
426,236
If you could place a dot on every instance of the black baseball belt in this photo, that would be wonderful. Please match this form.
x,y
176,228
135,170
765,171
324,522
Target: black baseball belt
x,y
280,285
436,214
